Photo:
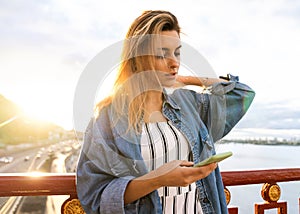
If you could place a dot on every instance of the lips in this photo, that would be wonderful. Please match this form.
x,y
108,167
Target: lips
x,y
171,74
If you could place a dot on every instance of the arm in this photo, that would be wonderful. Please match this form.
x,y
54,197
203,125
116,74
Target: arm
x,y
227,102
105,182
98,189
102,174
198,81
174,173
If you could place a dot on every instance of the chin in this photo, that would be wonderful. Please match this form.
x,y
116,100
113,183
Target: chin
x,y
169,84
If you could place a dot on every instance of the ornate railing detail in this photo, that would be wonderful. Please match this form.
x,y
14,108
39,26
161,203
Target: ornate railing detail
x,y
23,184
270,191
72,206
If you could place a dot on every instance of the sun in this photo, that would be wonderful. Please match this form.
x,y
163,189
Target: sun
x,y
45,104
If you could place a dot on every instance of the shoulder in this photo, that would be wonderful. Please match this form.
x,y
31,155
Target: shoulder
x,y
183,94
101,120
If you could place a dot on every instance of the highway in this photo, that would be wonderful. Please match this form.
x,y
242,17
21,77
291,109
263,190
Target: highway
x,y
37,159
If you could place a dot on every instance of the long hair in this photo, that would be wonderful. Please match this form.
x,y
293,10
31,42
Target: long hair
x,y
132,80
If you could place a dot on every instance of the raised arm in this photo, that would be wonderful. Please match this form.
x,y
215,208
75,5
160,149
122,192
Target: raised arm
x,y
228,101
198,81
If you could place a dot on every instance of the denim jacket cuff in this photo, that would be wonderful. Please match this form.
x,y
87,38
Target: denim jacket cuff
x,y
222,88
112,199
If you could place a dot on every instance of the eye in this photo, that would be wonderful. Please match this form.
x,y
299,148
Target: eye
x,y
177,54
162,54
160,57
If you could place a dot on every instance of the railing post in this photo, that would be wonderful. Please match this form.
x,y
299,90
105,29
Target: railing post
x,y
271,192
231,210
281,207
72,205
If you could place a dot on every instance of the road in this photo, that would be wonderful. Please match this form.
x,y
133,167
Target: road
x,y
34,159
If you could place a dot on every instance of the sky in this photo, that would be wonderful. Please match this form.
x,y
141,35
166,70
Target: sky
x,y
46,45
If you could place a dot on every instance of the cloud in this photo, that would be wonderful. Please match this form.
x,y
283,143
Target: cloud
x,y
257,40
272,115
290,10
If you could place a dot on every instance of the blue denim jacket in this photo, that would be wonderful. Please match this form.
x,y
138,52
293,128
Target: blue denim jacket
x,y
111,155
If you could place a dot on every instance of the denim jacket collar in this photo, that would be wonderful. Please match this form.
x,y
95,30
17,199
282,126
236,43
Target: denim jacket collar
x,y
168,99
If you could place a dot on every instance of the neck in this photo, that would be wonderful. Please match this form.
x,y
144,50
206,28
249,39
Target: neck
x,y
154,100
153,107
154,97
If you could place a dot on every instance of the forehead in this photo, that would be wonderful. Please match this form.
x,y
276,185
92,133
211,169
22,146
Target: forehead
x,y
168,39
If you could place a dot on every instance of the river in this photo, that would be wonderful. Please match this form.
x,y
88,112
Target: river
x,y
249,157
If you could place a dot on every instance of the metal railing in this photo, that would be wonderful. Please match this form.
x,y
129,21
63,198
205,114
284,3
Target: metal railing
x,y
48,184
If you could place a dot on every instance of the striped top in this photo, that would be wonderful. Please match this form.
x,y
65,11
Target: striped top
x,y
161,143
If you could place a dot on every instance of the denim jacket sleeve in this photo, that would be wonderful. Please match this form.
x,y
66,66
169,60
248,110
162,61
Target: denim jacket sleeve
x,y
98,190
101,175
228,102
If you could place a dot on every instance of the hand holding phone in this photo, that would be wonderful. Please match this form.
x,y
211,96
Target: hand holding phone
x,y
214,159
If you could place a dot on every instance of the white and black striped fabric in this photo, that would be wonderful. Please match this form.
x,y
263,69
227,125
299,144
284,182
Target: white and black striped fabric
x,y
161,143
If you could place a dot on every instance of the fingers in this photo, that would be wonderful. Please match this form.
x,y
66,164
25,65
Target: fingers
x,y
212,166
207,169
186,163
189,175
203,171
182,170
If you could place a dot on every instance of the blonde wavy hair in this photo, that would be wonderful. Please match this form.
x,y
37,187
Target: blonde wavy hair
x,y
133,79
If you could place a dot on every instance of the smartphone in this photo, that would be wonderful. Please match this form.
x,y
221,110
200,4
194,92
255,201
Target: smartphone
x,y
215,158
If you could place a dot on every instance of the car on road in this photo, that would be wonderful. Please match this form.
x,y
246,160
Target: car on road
x,y
6,159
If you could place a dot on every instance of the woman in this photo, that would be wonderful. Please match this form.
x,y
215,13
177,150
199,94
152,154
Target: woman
x,y
139,148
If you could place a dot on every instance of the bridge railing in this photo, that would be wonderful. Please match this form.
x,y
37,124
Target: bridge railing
x,y
49,184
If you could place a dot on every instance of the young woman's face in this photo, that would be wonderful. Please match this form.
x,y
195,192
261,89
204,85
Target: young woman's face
x,y
167,57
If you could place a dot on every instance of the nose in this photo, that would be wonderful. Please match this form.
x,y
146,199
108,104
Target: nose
x,y
173,62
